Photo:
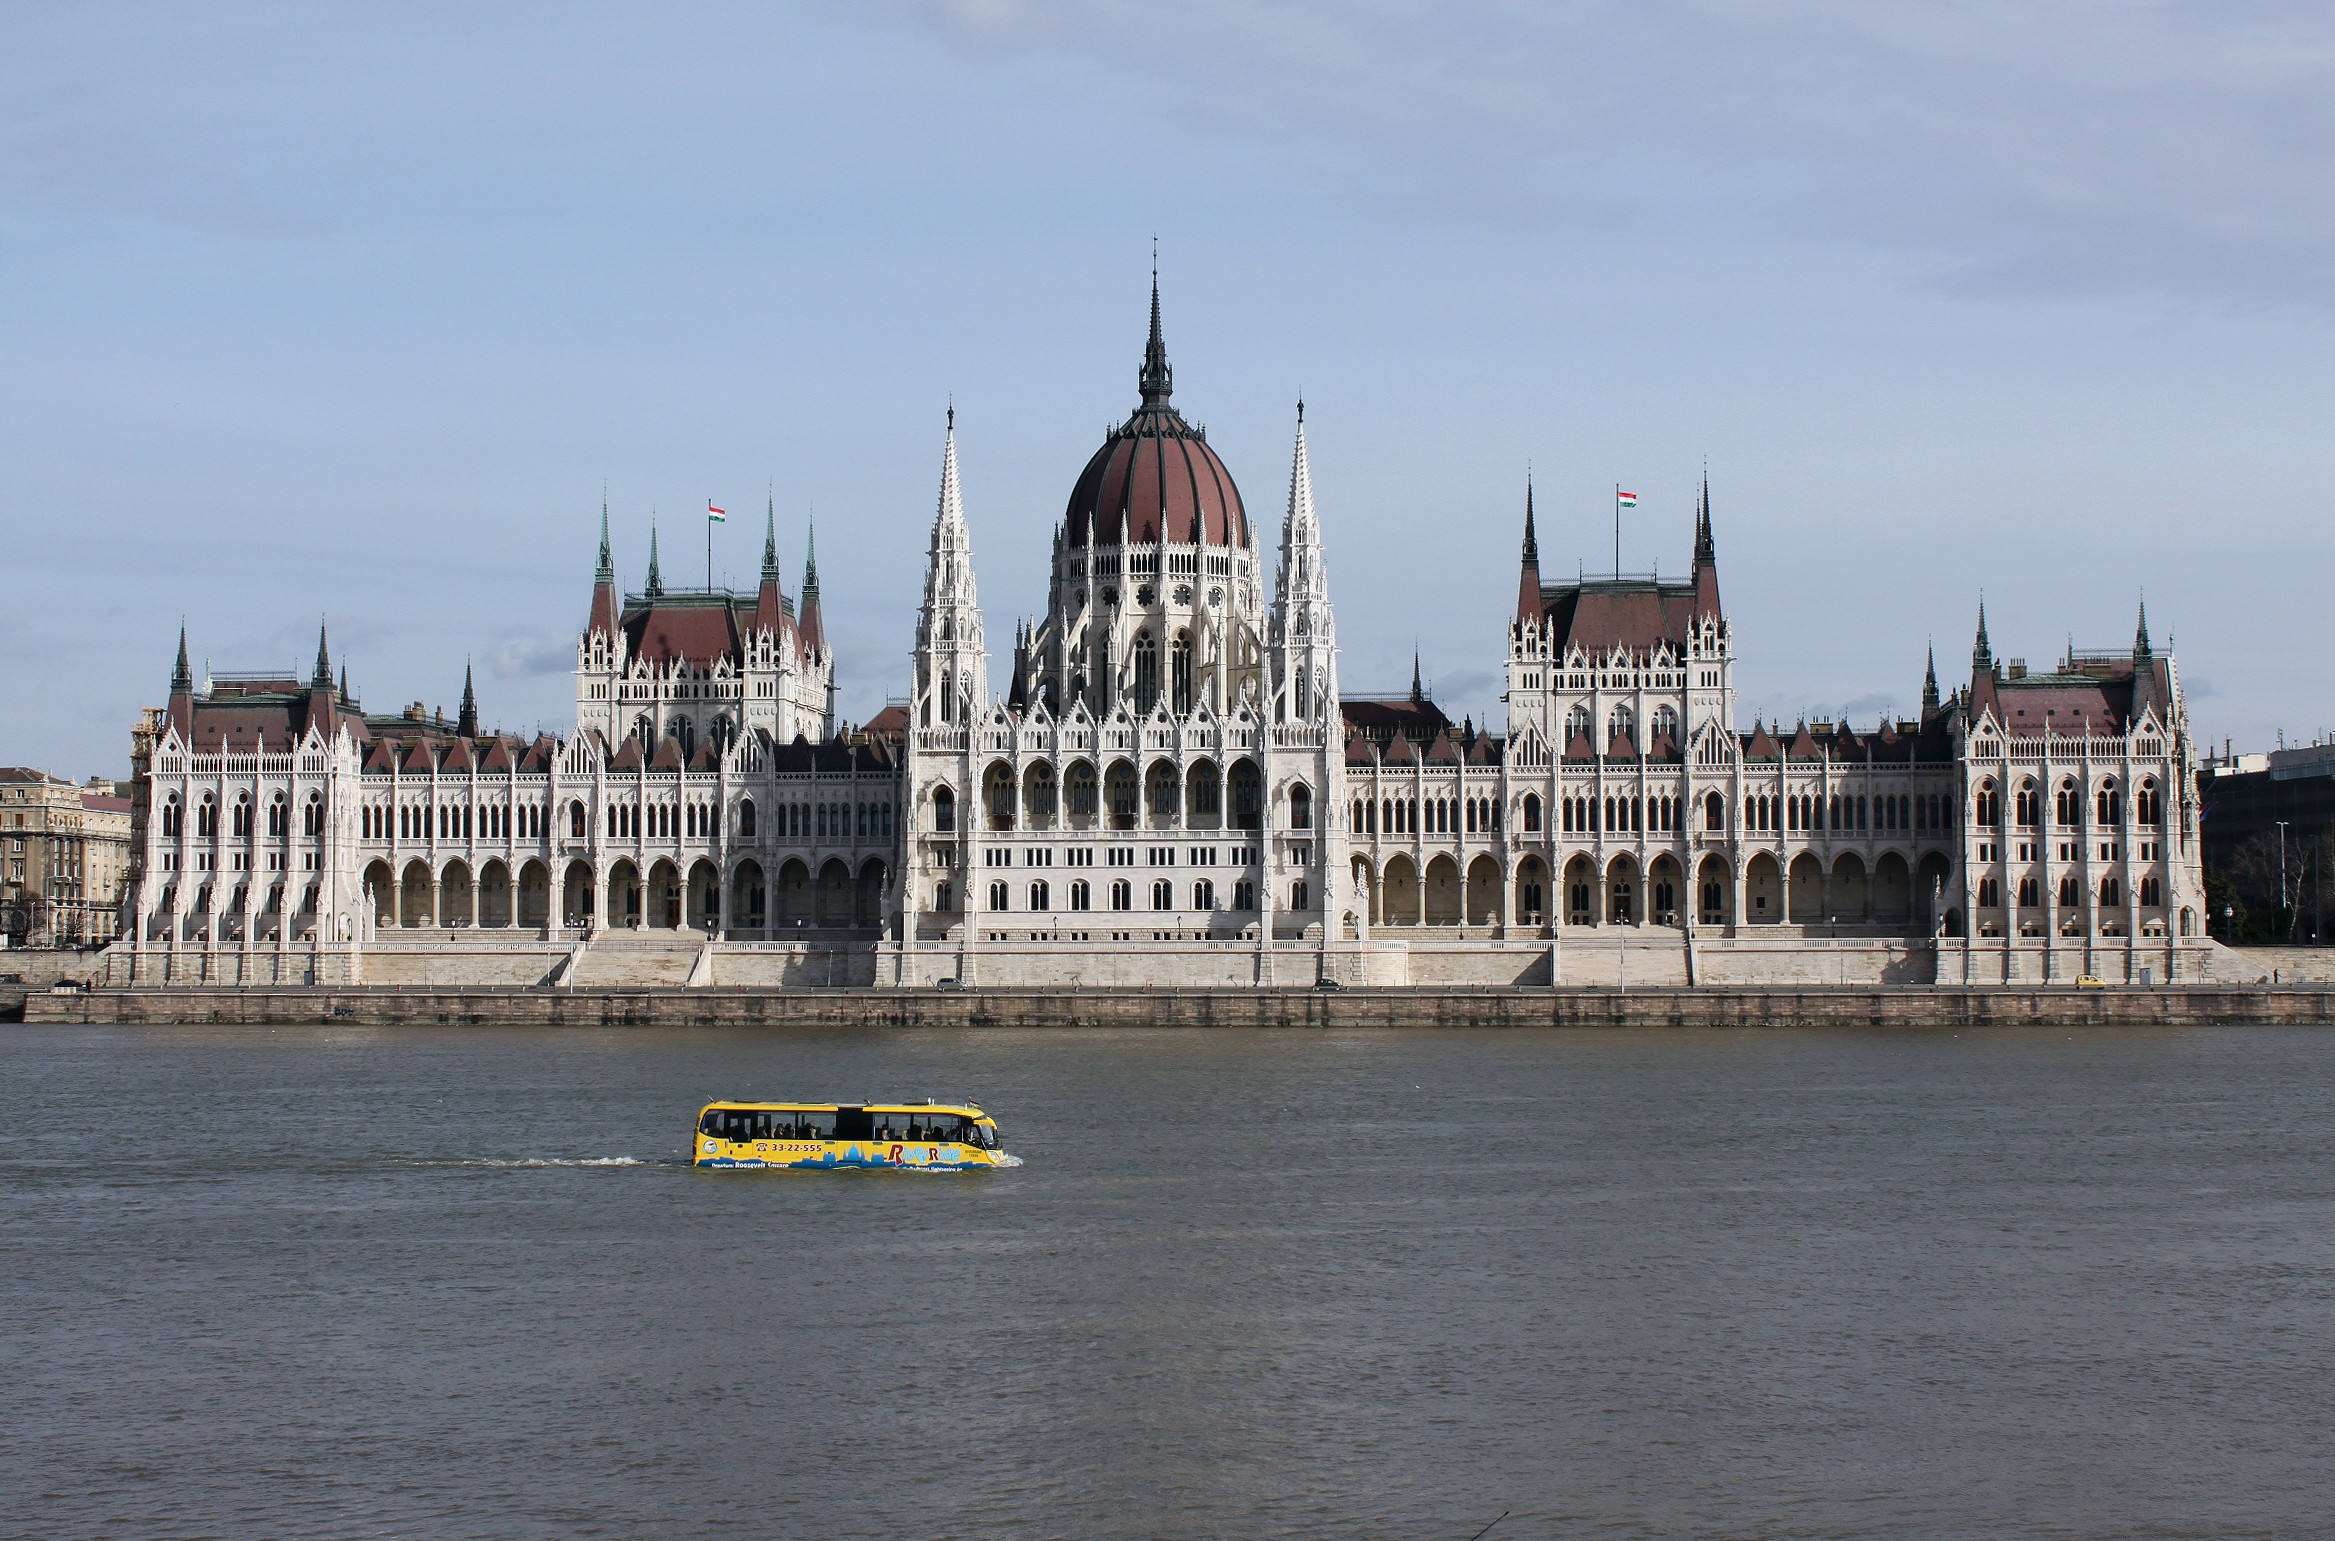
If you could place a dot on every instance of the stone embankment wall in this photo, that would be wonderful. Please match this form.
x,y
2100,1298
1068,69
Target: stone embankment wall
x,y
36,969
1249,1007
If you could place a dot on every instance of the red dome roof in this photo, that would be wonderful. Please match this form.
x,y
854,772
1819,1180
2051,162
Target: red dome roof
x,y
1155,478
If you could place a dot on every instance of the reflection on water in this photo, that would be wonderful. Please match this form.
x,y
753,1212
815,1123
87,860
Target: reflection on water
x,y
358,1282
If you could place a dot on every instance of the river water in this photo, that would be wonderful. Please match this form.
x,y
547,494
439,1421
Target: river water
x,y
270,1282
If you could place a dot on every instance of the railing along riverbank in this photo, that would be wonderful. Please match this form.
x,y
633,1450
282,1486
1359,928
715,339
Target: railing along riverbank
x,y
1909,1007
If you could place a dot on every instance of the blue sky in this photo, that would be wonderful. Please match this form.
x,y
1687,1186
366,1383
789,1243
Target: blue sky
x,y
320,310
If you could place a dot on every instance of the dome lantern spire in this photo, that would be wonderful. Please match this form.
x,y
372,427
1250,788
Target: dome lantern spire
x,y
1157,380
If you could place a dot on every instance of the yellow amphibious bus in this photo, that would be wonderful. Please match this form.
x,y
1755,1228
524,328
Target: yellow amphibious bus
x,y
928,1136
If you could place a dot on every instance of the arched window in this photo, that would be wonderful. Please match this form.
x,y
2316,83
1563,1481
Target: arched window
x,y
2111,802
1207,792
207,817
312,823
2030,894
1040,898
944,811
1081,896
575,821
943,897
724,731
1080,790
2028,805
1000,896
1041,791
172,816
2144,804
279,816
1577,726
1988,807
2111,892
1122,895
645,731
1248,796
1714,812
746,818
243,813
2067,806
1304,694
1532,813
1163,895
1622,724
1666,722
1180,671
2069,895
1301,806
1160,790
1203,895
1990,894
948,696
1146,673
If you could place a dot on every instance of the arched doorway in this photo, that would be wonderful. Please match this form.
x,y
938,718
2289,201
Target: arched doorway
x,y
576,893
1399,900
705,896
748,901
1623,901
1848,895
624,895
1763,891
1532,892
1446,897
867,906
494,895
455,907
414,904
534,895
1714,893
1663,882
793,898
1807,889
1892,890
1580,892
1483,892
834,896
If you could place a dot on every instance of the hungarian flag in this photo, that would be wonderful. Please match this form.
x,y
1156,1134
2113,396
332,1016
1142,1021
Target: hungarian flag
x,y
1626,499
715,514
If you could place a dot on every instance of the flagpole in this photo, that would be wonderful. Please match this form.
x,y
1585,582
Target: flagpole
x,y
709,545
1617,532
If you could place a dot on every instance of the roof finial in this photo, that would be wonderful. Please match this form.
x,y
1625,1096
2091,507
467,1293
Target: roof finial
x,y
1981,652
1531,537
1930,682
1157,381
2141,650
811,554
770,535
182,678
1417,695
467,723
322,678
656,583
607,565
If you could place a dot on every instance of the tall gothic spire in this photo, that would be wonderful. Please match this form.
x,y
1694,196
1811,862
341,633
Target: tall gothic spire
x,y
1157,380
1981,652
1528,600
1301,594
1417,695
1706,550
2142,652
811,558
182,678
655,589
321,679
770,540
607,571
1930,684
467,723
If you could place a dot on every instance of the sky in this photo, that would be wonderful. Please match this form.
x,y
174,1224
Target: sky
x,y
352,313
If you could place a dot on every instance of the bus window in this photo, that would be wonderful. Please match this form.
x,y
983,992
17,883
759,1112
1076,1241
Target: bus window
x,y
853,1124
711,1123
813,1126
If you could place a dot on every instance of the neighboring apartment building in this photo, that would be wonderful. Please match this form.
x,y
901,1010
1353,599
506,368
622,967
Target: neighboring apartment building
x,y
64,857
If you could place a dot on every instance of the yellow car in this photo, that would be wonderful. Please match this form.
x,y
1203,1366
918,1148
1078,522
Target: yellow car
x,y
2091,982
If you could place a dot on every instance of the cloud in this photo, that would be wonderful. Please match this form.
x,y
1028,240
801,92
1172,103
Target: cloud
x,y
2081,146
527,657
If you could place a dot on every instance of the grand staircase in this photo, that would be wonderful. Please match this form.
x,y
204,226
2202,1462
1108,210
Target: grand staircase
x,y
624,960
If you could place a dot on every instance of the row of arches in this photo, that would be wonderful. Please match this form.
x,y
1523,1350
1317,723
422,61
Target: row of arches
x,y
1620,892
2069,803
1080,796
625,896
242,815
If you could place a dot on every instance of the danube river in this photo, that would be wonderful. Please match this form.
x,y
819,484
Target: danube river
x,y
337,1282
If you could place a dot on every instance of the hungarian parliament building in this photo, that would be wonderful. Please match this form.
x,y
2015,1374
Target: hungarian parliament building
x,y
1170,789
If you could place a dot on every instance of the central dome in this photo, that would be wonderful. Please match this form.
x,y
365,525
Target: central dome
x,y
1155,478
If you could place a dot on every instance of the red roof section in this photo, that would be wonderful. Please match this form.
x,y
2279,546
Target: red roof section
x,y
1155,478
1600,615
